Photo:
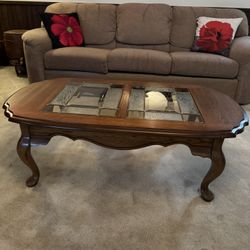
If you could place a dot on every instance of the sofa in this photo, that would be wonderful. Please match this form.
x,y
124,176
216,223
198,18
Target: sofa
x,y
150,42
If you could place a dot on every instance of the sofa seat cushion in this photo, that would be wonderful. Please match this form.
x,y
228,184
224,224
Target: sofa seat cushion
x,y
139,60
76,58
203,64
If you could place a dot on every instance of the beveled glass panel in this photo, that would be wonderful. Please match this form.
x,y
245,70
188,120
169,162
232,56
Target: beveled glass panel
x,y
163,104
87,99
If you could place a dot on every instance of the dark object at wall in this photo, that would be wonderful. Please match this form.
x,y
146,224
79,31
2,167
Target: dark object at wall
x,y
14,49
18,15
3,57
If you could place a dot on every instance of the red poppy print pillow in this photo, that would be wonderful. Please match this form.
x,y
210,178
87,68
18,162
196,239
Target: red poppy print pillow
x,y
215,35
63,29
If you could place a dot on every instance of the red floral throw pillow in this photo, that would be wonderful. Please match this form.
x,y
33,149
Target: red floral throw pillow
x,y
63,29
215,35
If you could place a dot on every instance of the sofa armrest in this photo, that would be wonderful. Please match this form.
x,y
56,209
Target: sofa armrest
x,y
36,43
240,52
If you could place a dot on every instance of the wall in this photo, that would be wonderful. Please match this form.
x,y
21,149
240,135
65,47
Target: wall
x,y
210,3
18,15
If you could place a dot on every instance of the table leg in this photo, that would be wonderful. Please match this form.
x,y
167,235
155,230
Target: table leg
x,y
24,152
217,167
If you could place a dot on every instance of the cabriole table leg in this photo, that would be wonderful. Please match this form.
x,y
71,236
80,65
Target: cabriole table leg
x,y
24,152
217,167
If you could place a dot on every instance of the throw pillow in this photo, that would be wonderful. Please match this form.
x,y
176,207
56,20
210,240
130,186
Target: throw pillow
x,y
63,29
215,35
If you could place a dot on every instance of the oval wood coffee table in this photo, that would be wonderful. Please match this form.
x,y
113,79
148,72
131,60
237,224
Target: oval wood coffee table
x,y
126,115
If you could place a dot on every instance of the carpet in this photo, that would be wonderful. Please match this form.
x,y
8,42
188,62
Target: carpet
x,y
91,197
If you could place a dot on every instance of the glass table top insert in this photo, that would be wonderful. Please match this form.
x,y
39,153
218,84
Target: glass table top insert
x,y
144,102
87,99
163,104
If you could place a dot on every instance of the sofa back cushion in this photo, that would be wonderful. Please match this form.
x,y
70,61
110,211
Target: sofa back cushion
x,y
184,24
60,8
150,26
98,21
143,24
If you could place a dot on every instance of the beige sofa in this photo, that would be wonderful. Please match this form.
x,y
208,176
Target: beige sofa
x,y
142,41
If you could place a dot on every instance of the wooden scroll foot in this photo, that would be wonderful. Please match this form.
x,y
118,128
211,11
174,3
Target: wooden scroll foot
x,y
24,152
217,167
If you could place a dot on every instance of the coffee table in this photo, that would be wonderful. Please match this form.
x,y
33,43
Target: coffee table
x,y
126,115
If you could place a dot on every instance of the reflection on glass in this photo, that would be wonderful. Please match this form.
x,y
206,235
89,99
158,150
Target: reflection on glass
x,y
162,104
87,99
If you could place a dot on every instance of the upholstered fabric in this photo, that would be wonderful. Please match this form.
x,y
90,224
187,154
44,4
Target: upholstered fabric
x,y
143,23
63,29
76,58
111,45
98,22
61,8
240,51
215,35
174,49
203,64
160,47
36,43
184,23
139,60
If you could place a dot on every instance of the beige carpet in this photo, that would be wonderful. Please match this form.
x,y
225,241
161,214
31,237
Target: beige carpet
x,y
90,197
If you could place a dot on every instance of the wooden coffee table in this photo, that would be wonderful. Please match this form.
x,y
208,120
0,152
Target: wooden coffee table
x,y
202,126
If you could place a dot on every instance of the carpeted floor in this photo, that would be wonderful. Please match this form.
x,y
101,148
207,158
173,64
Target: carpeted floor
x,y
90,197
